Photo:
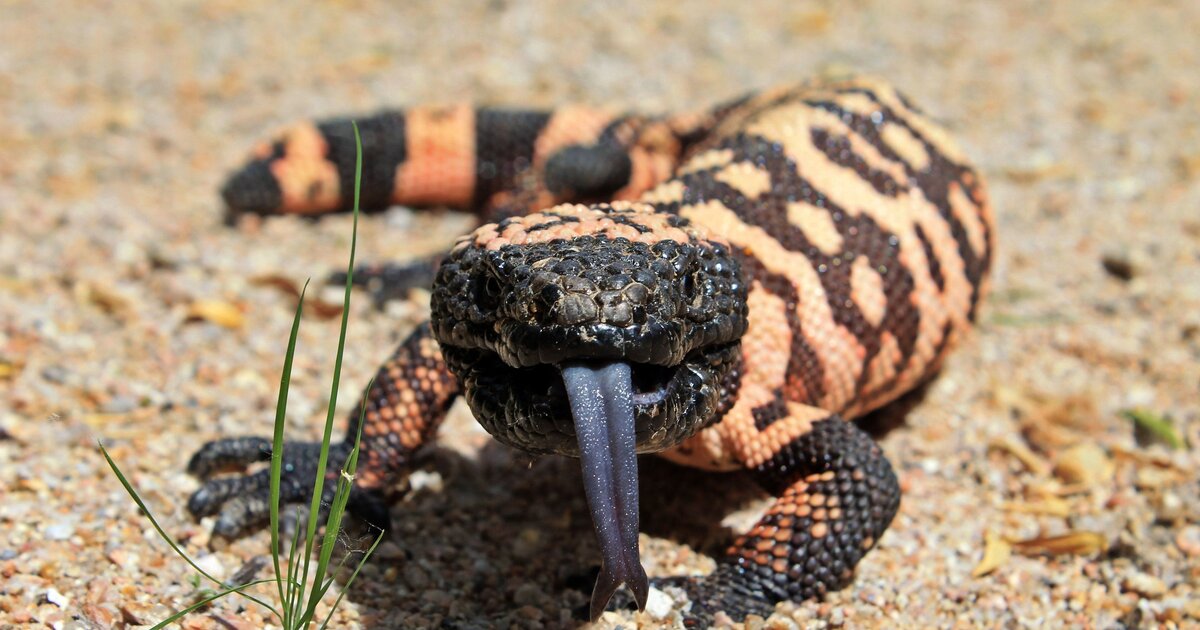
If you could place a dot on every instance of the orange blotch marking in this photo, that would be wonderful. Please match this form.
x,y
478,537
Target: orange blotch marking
x,y
819,530
567,126
307,180
440,163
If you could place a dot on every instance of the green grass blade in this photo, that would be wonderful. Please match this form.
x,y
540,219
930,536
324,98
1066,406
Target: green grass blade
x,y
163,534
334,523
210,599
323,460
1155,424
277,442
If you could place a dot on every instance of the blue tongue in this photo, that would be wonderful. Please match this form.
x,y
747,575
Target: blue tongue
x,y
601,396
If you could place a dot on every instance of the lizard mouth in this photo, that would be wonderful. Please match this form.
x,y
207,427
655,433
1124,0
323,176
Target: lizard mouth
x,y
529,407
603,411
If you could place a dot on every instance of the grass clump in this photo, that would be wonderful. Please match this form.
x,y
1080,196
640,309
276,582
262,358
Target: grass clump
x,y
305,583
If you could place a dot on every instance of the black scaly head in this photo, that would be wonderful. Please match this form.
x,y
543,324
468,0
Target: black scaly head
x,y
595,332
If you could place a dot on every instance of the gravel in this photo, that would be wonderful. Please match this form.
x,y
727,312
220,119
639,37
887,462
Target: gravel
x,y
128,313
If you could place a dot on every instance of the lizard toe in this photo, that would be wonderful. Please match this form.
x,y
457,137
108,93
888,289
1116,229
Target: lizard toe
x,y
710,595
241,513
215,493
228,453
244,501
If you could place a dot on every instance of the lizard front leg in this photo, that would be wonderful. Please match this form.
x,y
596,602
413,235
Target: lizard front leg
x,y
836,494
404,407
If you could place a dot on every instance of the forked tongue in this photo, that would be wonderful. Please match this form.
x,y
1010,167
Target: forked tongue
x,y
601,397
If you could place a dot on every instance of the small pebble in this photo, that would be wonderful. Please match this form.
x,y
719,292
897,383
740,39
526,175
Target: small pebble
x,y
56,598
437,598
527,543
1119,264
415,577
212,565
119,404
426,480
1188,540
658,604
1145,584
527,594
60,531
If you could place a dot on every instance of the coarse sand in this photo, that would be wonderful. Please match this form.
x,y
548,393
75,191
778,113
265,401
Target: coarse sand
x,y
130,313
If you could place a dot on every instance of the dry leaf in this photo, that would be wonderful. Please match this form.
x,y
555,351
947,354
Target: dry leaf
x,y
217,312
1032,462
1145,458
319,308
1086,464
996,552
1048,506
283,283
15,286
7,370
1055,423
102,296
1074,543
1149,477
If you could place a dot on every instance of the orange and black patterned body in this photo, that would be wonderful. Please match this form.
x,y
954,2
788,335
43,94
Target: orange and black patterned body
x,y
866,240
791,260
498,162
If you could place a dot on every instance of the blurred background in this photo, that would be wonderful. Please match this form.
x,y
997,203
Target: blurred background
x,y
128,312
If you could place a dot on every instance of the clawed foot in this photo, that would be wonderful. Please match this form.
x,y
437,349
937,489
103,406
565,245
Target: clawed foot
x,y
391,281
243,501
720,592
709,595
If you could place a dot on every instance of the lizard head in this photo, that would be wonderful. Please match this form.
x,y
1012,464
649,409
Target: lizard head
x,y
595,332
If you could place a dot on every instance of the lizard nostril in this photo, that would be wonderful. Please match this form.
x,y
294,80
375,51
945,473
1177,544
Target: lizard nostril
x,y
487,293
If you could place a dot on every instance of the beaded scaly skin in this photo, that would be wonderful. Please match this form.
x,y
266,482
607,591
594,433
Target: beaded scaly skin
x,y
760,273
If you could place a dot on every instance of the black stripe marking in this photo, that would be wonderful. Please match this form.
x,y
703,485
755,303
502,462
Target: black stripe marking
x,y
767,414
934,181
804,369
837,149
935,266
383,150
504,142
861,235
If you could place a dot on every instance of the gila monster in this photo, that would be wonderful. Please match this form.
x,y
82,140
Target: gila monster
x,y
726,288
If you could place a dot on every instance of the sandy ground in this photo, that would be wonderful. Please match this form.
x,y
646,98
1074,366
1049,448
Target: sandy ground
x,y
120,120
